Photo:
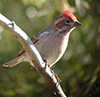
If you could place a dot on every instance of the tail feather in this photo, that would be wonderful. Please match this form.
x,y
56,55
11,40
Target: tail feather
x,y
13,62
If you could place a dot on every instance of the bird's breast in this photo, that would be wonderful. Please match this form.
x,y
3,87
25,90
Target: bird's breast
x,y
53,47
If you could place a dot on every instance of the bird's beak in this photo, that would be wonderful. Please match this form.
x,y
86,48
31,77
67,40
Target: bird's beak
x,y
76,24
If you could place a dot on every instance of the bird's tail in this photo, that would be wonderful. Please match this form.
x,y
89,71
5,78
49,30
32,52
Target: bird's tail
x,y
13,62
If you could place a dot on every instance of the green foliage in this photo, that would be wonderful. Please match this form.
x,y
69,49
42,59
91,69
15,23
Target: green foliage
x,y
80,64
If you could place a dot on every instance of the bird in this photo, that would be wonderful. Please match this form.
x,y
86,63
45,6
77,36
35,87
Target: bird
x,y
51,42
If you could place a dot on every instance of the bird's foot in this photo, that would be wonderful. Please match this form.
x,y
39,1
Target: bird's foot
x,y
58,80
47,65
33,68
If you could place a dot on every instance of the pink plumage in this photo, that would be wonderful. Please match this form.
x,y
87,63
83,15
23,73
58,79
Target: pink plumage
x,y
51,42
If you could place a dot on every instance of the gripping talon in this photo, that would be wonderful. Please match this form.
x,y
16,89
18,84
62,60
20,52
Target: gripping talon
x,y
58,80
46,63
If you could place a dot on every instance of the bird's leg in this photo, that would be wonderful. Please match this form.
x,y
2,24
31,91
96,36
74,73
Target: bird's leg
x,y
58,80
46,64
33,68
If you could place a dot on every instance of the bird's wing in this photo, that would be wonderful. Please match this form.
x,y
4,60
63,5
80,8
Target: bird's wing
x,y
35,39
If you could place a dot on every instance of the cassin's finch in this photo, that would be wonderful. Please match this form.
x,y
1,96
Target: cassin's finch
x,y
51,42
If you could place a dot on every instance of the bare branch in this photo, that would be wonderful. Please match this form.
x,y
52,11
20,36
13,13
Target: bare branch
x,y
39,64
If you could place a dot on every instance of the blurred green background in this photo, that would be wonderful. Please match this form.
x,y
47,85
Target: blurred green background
x,y
80,65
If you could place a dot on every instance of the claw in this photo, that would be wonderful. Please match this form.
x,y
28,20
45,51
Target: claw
x,y
33,68
58,80
46,64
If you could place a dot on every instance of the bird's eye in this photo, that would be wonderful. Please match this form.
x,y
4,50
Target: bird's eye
x,y
67,21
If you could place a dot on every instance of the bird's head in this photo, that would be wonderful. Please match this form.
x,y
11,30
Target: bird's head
x,y
66,22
